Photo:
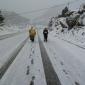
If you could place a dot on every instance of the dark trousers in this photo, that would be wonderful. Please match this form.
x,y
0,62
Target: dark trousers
x,y
32,38
45,37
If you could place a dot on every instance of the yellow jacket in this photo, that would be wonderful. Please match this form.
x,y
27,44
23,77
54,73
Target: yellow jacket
x,y
32,32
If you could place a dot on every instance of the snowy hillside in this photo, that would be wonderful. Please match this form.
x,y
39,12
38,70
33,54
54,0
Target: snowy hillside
x,y
70,26
56,10
12,18
13,23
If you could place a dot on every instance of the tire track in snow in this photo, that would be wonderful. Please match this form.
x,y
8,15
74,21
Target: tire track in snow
x,y
9,35
12,56
51,76
71,43
60,62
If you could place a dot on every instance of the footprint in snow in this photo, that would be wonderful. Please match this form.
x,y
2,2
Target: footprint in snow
x,y
32,81
76,83
33,51
61,63
32,61
28,70
65,71
33,77
39,70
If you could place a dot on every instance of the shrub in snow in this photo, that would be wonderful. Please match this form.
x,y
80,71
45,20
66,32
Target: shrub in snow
x,y
64,11
1,19
50,24
63,22
81,9
68,19
82,19
72,20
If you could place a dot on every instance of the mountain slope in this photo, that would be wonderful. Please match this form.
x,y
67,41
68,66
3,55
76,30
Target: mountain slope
x,y
56,10
12,18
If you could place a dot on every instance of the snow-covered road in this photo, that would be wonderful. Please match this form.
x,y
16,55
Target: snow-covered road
x,y
26,67
69,67
8,45
50,74
67,60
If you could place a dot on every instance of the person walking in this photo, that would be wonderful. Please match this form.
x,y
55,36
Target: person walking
x,y
32,33
45,34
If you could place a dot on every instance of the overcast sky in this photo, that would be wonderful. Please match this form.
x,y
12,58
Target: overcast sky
x,y
21,6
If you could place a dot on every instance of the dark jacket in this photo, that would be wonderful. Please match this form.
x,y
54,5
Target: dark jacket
x,y
45,32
